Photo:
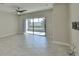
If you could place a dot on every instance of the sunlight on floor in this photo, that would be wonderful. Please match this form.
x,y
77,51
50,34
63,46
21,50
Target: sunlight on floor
x,y
36,41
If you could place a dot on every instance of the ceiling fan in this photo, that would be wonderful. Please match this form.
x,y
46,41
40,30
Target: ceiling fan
x,y
19,10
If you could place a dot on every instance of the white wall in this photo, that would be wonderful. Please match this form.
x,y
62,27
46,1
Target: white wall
x,y
61,24
45,13
74,16
8,24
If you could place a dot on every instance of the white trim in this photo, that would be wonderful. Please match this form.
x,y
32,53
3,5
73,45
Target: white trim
x,y
6,35
61,43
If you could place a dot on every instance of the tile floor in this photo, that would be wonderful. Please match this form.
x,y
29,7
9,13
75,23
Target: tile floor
x,y
29,45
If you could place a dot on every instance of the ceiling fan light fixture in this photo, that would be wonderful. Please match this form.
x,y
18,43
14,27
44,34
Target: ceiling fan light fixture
x,y
18,13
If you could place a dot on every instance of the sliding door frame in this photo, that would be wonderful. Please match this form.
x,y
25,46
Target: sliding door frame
x,y
45,25
33,26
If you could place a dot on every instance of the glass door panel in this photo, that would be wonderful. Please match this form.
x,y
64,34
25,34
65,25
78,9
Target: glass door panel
x,y
39,26
29,26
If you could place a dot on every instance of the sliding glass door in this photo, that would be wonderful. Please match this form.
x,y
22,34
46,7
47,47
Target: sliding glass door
x,y
39,26
29,26
36,26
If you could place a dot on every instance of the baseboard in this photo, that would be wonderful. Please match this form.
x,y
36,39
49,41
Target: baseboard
x,y
6,35
61,43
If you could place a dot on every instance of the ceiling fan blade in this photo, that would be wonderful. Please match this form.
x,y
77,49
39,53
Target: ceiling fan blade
x,y
24,10
16,10
21,11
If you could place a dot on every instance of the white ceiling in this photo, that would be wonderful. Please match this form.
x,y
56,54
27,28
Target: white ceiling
x,y
30,7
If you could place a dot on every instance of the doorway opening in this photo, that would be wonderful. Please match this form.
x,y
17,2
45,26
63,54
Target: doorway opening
x,y
36,26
